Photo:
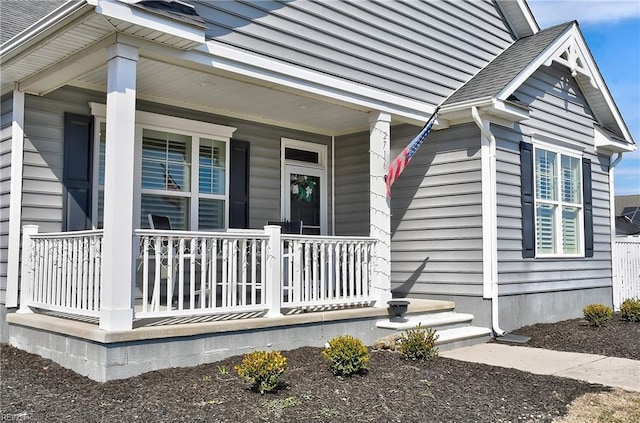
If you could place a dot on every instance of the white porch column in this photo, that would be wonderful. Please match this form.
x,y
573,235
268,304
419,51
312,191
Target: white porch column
x,y
15,198
380,212
116,297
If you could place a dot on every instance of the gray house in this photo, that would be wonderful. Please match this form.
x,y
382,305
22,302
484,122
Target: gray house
x,y
186,180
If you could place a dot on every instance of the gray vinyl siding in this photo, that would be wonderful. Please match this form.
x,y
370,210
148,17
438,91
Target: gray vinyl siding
x,y
436,211
352,184
417,49
6,116
558,111
44,153
42,191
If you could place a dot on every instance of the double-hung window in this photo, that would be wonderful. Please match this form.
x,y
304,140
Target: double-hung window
x,y
558,203
182,171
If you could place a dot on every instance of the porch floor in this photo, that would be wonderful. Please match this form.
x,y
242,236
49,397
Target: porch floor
x,y
88,329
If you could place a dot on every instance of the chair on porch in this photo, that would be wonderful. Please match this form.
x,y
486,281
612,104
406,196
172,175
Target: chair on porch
x,y
294,227
159,222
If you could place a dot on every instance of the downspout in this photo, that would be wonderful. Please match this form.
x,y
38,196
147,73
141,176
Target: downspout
x,y
489,219
612,213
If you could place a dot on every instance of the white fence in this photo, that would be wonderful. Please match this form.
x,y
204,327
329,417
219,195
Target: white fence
x,y
180,273
626,283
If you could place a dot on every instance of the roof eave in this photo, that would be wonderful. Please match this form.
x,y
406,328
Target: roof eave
x,y
519,17
610,143
505,113
177,33
42,29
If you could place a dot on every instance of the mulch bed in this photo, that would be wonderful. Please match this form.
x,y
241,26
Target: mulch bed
x,y
393,390
617,338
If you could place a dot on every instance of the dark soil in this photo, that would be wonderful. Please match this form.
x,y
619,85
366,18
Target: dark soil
x,y
617,338
393,390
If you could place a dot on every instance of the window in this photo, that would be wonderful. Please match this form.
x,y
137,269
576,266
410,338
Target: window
x,y
183,171
558,203
166,177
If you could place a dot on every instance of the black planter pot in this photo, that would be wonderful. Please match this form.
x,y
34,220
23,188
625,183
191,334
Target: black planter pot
x,y
397,308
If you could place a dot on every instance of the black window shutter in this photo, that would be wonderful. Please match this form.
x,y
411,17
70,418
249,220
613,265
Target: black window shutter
x,y
588,207
77,172
527,191
239,185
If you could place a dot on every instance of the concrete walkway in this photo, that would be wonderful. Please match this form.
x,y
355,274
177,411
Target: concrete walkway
x,y
608,371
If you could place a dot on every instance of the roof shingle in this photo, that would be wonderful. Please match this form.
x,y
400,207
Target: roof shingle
x,y
505,67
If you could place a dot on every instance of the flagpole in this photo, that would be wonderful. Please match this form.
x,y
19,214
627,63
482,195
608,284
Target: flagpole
x,y
395,167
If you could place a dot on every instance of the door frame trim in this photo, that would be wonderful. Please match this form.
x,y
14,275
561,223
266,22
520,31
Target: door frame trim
x,y
320,169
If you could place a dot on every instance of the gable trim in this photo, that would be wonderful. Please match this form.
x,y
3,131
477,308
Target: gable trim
x,y
570,50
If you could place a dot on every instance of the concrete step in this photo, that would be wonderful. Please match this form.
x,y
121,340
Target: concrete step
x,y
432,320
454,329
460,334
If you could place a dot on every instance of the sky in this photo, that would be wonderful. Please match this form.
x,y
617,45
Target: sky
x,y
612,31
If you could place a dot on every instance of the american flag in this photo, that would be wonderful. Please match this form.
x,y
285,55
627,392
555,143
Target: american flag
x,y
397,166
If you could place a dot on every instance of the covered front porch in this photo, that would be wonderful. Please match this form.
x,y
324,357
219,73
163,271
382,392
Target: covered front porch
x,y
133,99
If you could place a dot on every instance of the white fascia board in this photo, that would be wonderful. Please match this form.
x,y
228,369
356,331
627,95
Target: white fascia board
x,y
519,17
277,73
548,54
492,109
604,141
589,62
43,29
122,11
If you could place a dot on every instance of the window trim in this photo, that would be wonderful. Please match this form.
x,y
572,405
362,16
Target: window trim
x,y
560,149
192,128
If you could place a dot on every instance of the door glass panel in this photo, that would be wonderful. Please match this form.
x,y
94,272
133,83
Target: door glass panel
x,y
304,201
301,155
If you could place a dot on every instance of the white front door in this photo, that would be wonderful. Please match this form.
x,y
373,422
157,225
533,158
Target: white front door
x,y
305,198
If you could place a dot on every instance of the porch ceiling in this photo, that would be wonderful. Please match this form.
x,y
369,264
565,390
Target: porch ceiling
x,y
74,54
174,85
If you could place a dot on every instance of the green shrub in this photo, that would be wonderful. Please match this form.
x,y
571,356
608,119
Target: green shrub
x,y
419,344
630,310
346,355
262,369
597,314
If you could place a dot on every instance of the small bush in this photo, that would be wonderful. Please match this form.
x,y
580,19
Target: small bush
x,y
346,355
630,310
418,344
597,314
262,369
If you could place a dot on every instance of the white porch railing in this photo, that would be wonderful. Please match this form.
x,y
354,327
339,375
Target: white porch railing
x,y
181,273
626,283
322,271
64,270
